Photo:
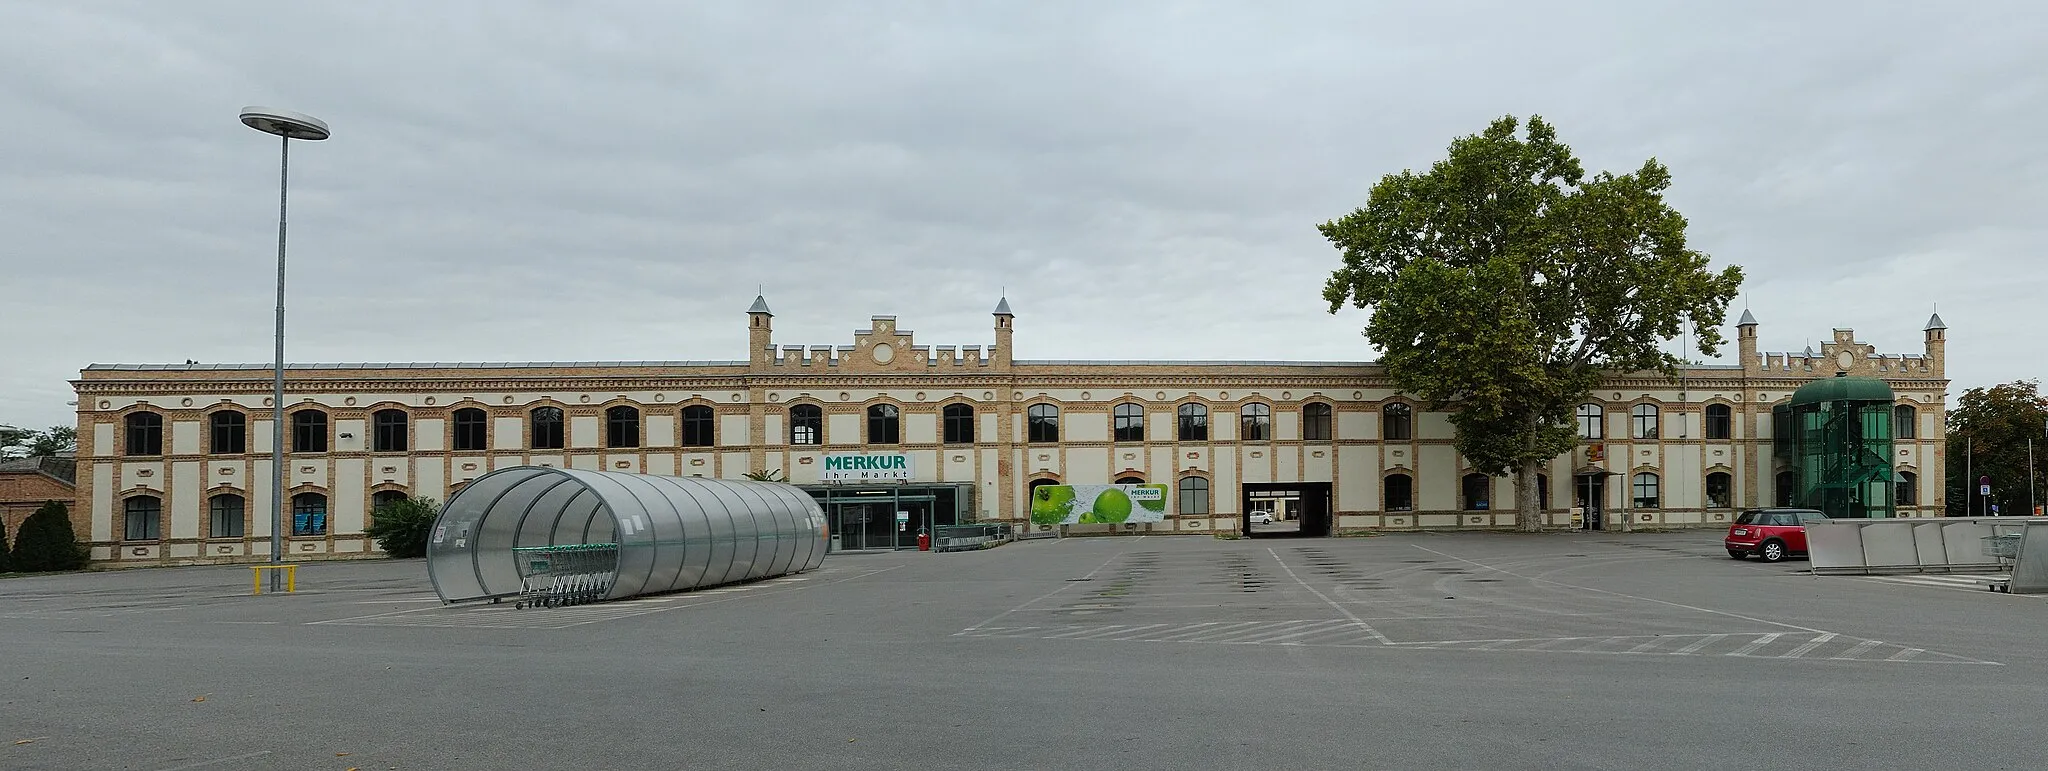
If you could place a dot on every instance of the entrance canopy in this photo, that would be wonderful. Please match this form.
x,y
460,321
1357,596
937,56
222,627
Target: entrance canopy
x,y
671,533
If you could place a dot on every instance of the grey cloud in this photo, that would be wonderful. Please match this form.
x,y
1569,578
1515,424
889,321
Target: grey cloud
x,y
527,180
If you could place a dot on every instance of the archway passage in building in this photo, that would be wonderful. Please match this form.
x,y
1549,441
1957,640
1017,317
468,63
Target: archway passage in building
x,y
1298,509
647,534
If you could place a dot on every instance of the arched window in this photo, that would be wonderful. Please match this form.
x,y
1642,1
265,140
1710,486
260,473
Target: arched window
x,y
959,423
1315,422
622,426
1905,422
1129,481
547,428
806,424
1643,421
309,514
1194,496
1720,490
224,516
142,518
145,433
1788,488
1130,422
470,424
1592,422
1720,421
309,431
229,430
882,424
384,498
1400,492
1397,422
697,426
1042,423
1906,492
1194,423
1646,491
1255,423
388,434
1478,489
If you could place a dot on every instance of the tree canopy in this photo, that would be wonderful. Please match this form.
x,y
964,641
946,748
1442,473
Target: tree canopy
x,y
30,443
1988,432
1504,283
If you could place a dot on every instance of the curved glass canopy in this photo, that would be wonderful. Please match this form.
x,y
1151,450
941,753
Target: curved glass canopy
x,y
670,533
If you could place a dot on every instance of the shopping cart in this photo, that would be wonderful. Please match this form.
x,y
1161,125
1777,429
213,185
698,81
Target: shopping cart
x,y
570,574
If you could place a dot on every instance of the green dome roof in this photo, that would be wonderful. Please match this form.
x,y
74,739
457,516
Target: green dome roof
x,y
1835,389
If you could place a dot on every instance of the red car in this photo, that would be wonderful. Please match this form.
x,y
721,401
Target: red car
x,y
1771,534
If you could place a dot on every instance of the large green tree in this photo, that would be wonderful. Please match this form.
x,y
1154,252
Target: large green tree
x,y
1988,433
29,443
1504,284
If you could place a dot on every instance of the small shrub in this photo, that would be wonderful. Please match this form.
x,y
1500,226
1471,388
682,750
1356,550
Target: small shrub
x,y
402,527
46,542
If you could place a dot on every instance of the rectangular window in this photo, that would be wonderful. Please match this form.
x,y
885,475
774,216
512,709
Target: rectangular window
x,y
547,428
309,514
806,425
1720,421
309,431
225,517
959,419
1130,423
469,430
622,427
698,425
390,431
143,519
230,432
1315,423
145,434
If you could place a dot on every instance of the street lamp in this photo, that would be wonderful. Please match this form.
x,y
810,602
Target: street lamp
x,y
287,126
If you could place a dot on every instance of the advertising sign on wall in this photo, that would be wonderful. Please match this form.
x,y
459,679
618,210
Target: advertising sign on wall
x,y
1092,504
865,467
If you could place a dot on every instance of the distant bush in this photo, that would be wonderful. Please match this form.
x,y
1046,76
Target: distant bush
x,y
46,542
403,526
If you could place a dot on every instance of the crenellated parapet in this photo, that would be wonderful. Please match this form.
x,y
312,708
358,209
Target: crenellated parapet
x,y
1844,354
882,348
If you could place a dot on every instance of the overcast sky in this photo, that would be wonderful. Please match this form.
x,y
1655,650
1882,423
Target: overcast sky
x,y
612,180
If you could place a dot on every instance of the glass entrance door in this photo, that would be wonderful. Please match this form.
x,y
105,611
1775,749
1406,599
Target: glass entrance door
x,y
850,525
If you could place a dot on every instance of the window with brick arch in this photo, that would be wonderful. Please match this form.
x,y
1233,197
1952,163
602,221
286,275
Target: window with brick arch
x,y
1397,422
884,424
142,518
1720,490
1315,422
547,428
959,423
1130,422
1255,423
145,433
1720,421
806,424
1194,496
470,424
1399,490
698,426
622,426
1905,422
309,514
1478,489
309,431
1194,423
225,516
389,434
1042,423
228,432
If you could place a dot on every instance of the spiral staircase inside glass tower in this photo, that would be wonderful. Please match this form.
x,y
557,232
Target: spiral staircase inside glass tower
x,y
1833,443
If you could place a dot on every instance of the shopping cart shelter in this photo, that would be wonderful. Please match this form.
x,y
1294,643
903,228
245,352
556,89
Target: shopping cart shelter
x,y
553,536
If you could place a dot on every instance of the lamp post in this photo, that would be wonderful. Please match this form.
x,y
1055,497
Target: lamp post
x,y
287,126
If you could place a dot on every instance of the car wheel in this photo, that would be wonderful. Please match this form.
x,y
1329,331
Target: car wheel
x,y
1737,554
1772,551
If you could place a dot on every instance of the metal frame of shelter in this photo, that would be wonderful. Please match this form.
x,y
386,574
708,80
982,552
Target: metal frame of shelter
x,y
1836,436
669,533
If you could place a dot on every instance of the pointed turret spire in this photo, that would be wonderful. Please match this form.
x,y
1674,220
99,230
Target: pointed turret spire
x,y
1003,307
1934,323
760,305
1748,319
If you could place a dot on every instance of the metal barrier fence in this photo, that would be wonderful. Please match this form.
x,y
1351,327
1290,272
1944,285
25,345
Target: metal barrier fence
x,y
971,537
571,574
1936,545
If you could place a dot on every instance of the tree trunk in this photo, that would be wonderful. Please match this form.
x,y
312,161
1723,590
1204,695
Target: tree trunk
x,y
1528,514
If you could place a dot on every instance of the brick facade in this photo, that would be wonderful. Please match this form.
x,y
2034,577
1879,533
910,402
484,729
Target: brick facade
x,y
27,483
751,405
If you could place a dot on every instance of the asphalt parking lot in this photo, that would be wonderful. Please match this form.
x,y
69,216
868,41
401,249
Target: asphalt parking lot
x,y
1496,651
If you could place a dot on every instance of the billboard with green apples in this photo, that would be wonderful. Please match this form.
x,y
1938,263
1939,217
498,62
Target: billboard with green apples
x,y
1097,504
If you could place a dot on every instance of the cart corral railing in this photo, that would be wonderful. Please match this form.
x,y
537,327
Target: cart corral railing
x,y
971,537
567,574
1940,545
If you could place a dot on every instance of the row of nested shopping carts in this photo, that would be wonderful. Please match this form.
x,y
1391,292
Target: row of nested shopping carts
x,y
570,574
2004,545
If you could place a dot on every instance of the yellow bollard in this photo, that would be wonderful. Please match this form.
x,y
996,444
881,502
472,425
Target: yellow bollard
x,y
291,576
